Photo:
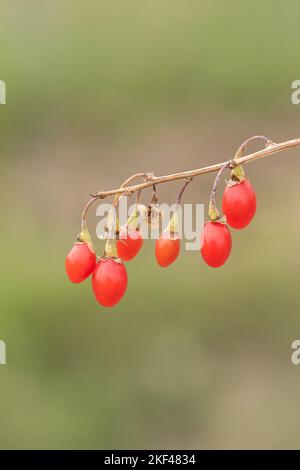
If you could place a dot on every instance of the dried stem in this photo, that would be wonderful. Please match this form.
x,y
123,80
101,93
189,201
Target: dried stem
x,y
150,180
271,149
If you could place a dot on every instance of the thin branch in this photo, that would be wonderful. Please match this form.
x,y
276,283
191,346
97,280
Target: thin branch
x,y
245,144
188,180
94,197
271,149
213,211
128,189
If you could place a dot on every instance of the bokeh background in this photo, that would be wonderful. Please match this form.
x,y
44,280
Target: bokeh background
x,y
192,357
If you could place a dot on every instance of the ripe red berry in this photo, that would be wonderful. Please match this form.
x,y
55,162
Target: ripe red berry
x,y
129,244
215,243
109,281
167,248
239,204
80,262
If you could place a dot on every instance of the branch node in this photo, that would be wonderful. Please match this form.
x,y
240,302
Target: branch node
x,y
149,177
128,192
270,143
232,164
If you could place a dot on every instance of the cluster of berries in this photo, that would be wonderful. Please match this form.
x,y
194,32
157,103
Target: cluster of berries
x,y
239,207
109,275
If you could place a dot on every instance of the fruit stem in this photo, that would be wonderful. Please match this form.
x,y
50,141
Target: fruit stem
x,y
94,197
84,234
85,211
110,249
213,212
244,145
154,198
238,173
187,181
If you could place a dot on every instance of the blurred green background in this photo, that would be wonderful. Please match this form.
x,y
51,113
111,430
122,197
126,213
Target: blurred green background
x,y
192,357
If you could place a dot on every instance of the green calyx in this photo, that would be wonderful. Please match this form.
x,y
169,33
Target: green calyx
x,y
85,237
110,249
238,173
172,226
213,212
133,221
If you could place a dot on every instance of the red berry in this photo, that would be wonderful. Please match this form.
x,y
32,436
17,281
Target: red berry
x,y
129,244
239,204
215,243
109,281
80,262
167,248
